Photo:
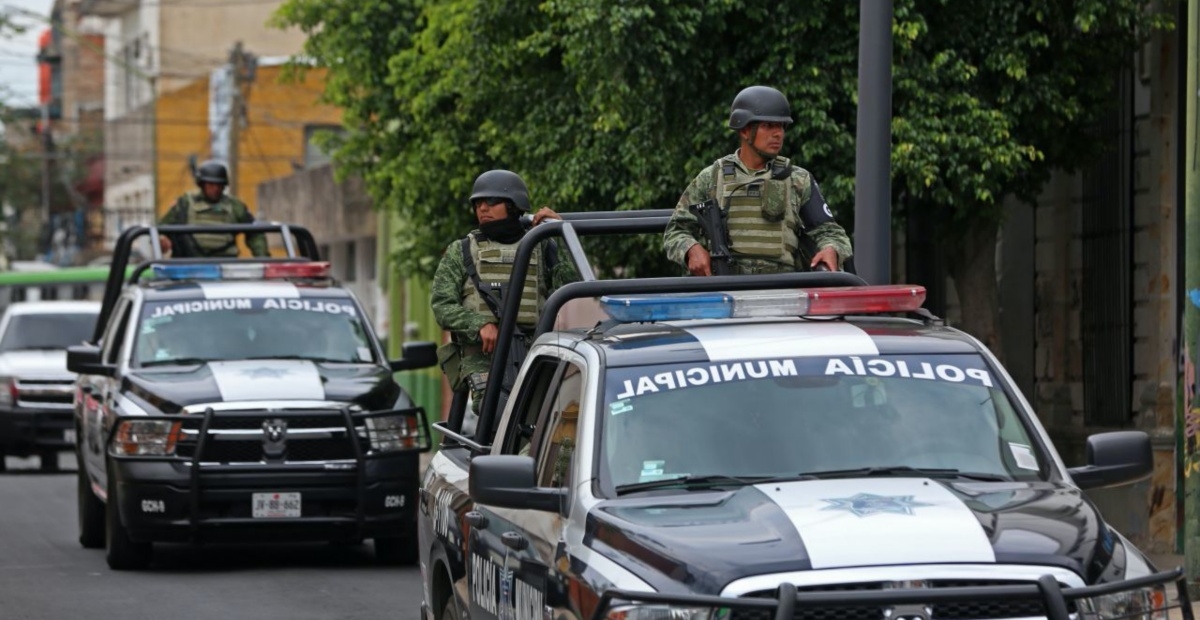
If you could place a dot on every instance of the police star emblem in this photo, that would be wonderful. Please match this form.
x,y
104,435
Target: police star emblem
x,y
264,372
867,504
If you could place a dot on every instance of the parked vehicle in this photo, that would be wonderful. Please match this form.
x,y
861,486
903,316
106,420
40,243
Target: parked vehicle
x,y
36,389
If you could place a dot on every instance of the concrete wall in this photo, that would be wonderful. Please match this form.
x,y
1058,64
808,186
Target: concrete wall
x,y
340,217
1146,511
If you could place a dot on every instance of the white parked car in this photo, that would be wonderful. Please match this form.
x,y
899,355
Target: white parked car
x,y
36,390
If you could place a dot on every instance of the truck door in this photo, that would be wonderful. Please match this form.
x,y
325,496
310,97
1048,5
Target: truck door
x,y
506,579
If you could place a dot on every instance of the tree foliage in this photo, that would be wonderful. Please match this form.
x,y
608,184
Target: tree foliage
x,y
611,104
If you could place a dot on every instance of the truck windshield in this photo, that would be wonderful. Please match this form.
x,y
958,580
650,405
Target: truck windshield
x,y
814,416
59,330
326,330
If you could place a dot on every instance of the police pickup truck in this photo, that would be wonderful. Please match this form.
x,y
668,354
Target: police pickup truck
x,y
796,446
225,400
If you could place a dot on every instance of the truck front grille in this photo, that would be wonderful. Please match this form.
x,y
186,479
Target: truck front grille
x,y
45,393
303,436
978,610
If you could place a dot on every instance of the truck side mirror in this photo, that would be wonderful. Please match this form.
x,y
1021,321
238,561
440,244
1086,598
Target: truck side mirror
x,y
84,359
510,481
415,355
1115,458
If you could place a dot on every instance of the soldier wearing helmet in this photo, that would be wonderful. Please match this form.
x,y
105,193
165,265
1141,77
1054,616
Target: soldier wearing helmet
x,y
469,282
775,217
211,205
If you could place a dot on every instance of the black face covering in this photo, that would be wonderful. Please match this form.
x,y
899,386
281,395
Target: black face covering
x,y
507,230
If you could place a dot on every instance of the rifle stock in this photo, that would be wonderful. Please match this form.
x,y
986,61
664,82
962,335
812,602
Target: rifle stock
x,y
712,221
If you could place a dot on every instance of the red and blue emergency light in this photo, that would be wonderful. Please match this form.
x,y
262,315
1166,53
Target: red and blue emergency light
x,y
831,301
242,271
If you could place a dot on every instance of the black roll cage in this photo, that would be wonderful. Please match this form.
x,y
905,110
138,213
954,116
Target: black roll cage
x,y
298,243
570,229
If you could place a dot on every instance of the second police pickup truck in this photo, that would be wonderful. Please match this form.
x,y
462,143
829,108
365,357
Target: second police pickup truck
x,y
237,400
796,446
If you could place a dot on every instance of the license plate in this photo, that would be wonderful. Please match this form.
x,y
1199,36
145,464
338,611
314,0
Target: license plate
x,y
276,505
69,435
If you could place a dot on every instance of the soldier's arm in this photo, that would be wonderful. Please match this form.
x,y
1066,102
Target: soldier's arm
x,y
446,297
683,230
257,242
818,220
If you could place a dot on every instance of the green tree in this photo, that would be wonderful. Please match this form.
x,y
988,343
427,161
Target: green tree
x,y
602,105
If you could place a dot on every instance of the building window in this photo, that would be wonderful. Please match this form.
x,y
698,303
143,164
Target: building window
x,y
369,254
314,155
351,261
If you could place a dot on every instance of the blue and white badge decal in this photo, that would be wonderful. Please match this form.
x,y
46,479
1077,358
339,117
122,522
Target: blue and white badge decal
x,y
867,504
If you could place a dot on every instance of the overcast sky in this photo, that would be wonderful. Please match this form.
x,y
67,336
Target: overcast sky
x,y
18,67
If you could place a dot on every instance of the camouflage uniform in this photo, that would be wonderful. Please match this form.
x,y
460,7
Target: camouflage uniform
x,y
458,309
191,208
780,212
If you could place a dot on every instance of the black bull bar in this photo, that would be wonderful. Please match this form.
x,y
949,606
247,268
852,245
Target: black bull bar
x,y
1054,599
199,426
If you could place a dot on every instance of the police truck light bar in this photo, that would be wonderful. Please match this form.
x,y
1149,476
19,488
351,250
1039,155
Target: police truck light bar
x,y
833,301
242,271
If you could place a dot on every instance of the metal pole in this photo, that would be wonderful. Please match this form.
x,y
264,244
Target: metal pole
x,y
47,146
236,58
872,162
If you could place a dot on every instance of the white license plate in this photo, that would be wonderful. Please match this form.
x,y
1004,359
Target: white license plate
x,y
69,435
276,505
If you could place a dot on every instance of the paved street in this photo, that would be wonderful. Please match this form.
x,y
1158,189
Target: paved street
x,y
45,574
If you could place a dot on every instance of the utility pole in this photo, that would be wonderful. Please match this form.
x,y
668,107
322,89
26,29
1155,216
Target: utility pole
x,y
47,155
872,162
237,58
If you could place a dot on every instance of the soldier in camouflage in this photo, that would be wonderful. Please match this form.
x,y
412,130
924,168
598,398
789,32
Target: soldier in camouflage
x,y
211,205
461,302
776,218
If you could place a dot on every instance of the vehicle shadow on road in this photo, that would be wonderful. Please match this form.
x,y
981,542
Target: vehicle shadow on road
x,y
183,558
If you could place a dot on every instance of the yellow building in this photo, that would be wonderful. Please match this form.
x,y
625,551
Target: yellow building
x,y
281,117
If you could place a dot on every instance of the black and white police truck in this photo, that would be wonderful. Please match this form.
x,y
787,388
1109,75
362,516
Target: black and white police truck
x,y
225,400
797,446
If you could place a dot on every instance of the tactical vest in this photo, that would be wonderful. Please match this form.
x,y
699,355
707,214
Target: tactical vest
x,y
762,223
494,263
201,212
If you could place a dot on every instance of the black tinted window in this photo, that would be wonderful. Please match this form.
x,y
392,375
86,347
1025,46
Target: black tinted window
x,y
47,331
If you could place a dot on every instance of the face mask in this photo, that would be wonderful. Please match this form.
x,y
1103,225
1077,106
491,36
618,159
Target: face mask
x,y
507,230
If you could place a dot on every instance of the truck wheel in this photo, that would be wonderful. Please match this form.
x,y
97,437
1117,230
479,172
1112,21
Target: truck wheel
x,y
91,513
396,551
3,462
122,552
449,610
49,460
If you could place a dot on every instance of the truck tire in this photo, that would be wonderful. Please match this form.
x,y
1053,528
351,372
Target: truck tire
x,y
396,551
122,553
48,460
91,512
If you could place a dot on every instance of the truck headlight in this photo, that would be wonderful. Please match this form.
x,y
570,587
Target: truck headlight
x,y
145,438
666,612
8,391
1147,603
393,433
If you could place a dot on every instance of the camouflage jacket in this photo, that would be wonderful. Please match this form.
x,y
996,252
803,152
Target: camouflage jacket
x,y
450,280
229,209
684,231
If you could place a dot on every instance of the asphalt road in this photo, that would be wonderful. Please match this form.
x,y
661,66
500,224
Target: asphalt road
x,y
45,574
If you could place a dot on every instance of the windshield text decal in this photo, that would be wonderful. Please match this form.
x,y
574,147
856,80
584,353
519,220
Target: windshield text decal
x,y
701,375
878,367
214,305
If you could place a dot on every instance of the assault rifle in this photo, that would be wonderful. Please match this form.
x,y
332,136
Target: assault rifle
x,y
712,220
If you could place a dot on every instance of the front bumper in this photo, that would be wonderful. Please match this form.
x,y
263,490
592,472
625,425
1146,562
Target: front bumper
x,y
164,502
1049,600
206,492
27,431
